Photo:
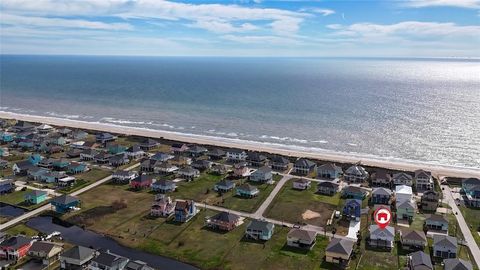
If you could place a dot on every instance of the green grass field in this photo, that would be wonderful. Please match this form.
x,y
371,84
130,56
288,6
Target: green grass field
x,y
86,178
472,217
14,198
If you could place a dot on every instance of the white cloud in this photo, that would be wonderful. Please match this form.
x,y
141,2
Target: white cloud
x,y
474,4
263,40
322,11
217,26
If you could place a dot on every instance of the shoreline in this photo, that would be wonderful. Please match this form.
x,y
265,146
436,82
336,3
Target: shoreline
x,y
325,155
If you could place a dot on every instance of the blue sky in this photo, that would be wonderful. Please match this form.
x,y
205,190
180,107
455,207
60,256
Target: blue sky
x,y
408,28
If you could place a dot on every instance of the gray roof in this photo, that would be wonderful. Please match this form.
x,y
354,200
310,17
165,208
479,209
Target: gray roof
x,y
471,181
247,187
303,162
438,218
414,235
457,264
341,246
254,156
65,199
327,184
280,160
260,225
381,191
108,259
216,152
330,167
302,234
445,240
197,149
137,265
15,242
78,253
263,170
41,246
402,175
225,183
388,232
419,259
234,150
406,204
226,217
422,173
356,170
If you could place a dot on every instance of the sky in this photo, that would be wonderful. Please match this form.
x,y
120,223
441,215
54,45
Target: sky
x,y
336,28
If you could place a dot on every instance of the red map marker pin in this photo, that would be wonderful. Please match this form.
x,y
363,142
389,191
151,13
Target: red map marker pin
x,y
382,217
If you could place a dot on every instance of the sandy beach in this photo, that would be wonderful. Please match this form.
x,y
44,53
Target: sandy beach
x,y
436,169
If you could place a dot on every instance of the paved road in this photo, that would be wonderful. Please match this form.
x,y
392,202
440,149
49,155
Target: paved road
x,y
269,199
22,184
448,197
48,206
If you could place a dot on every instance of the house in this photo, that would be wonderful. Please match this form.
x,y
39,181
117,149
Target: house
x,y
79,135
444,246
22,126
36,197
430,200
46,163
471,187
142,181
355,174
180,161
188,173
419,260
423,180
327,188
262,175
25,144
124,177
135,152
7,185
164,186
56,139
46,252
219,169
185,210
402,179
381,238
44,129
76,167
216,154
279,163
52,149
162,157
329,171
236,155
304,166
339,251
224,221
457,264
90,145
299,238
114,148
179,148
196,150
21,168
15,247
64,131
7,137
403,193
201,164
88,154
3,164
352,209
65,203
256,159
149,144
259,230
77,257
108,260
52,177
247,191
381,195
381,178
436,223
74,153
354,192
224,186
165,168
118,160
240,169
66,181
413,239
104,137
405,210
60,164
36,172
301,184
137,265
162,206
149,165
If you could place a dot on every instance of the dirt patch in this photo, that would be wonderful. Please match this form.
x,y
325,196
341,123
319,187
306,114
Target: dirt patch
x,y
309,214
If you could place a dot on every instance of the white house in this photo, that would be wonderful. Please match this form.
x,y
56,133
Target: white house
x,y
402,179
356,174
301,184
236,155
403,193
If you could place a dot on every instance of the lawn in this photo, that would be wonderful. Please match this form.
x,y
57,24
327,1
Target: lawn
x,y
290,204
86,178
471,216
21,229
247,205
14,198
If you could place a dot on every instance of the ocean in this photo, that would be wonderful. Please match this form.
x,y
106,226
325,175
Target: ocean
x,y
424,110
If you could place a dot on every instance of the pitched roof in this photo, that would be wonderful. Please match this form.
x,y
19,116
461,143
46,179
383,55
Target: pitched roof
x,y
457,264
149,141
471,181
302,234
247,187
41,246
260,225
255,156
108,259
303,162
330,167
279,160
414,235
225,183
78,253
419,258
445,240
340,246
216,152
235,150
438,218
65,199
226,217
388,232
403,189
327,184
301,180
356,170
406,204
381,191
37,193
402,175
422,173
263,170
15,242
354,189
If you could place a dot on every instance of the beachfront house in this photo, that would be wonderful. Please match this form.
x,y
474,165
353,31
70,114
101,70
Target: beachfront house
x,y
236,155
327,188
352,209
224,186
216,154
46,252
413,239
142,181
65,203
381,178
419,260
55,139
15,247
430,200
22,126
179,148
381,195
185,210
339,251
329,171
197,151
223,221
471,187
354,192
241,169
107,260
149,144
35,197
262,175
444,246
123,176
247,191
457,264
304,166
279,163
300,238
162,206
436,223
164,186
356,174
256,159
201,164
78,135
77,257
423,180
381,238
301,184
105,137
135,152
45,129
189,173
259,230
402,179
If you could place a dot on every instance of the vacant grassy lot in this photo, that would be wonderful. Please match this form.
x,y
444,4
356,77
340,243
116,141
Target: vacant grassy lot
x,y
14,198
472,217
290,204
21,229
86,178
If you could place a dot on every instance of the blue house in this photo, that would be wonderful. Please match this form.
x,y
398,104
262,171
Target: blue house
x,y
25,144
259,230
35,159
437,223
164,186
471,187
352,209
65,203
224,186
247,190
329,171
36,197
104,137
116,149
76,167
36,173
185,210
354,193
7,186
7,137
61,164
